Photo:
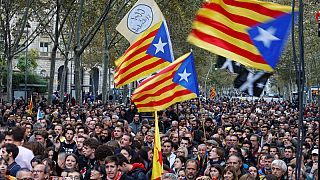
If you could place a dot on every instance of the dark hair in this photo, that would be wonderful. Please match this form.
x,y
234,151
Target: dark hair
x,y
122,159
231,169
102,152
70,129
37,159
91,142
192,161
44,134
112,158
182,159
12,148
18,133
218,167
169,141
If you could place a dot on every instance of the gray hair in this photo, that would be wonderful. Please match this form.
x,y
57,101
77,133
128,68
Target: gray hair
x,y
169,176
22,170
280,163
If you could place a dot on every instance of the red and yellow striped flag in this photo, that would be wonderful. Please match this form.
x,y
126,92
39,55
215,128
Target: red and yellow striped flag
x,y
157,168
30,106
176,83
150,52
247,31
212,93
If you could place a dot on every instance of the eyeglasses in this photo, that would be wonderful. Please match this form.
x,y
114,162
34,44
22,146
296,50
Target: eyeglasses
x,y
37,171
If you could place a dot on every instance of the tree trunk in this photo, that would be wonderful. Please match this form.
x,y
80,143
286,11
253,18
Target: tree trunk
x,y
9,79
53,55
77,79
64,76
105,92
52,71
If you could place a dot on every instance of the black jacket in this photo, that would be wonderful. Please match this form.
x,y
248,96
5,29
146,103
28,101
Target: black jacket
x,y
136,173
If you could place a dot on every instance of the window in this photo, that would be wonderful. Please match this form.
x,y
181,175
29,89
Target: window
x,y
44,46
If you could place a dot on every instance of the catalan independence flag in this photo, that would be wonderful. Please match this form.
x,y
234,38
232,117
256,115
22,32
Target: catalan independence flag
x,y
250,32
157,164
176,83
150,52
30,106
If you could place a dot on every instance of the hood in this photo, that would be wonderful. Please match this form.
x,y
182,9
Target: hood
x,y
137,165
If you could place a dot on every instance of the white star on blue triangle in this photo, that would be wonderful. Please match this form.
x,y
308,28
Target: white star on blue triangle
x,y
186,75
160,46
270,37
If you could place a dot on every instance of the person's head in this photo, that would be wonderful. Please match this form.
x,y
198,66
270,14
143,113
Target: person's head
x,y
71,161
124,164
40,172
126,140
3,166
247,177
9,152
117,132
202,150
229,173
254,139
41,136
315,155
182,151
24,174
235,161
216,153
264,130
89,147
169,176
8,137
18,133
98,172
167,147
288,152
274,150
80,139
215,171
102,152
184,142
278,168
69,134
58,129
179,162
127,153
181,174
112,167
75,175
265,149
192,169
253,171
267,161
234,140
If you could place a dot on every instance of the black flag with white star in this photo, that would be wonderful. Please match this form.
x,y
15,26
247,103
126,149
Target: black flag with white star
x,y
252,83
228,64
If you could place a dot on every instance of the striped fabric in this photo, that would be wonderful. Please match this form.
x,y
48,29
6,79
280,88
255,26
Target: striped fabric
x,y
221,27
161,90
136,62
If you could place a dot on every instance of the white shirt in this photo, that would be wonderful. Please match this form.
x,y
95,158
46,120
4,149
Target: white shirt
x,y
24,157
171,159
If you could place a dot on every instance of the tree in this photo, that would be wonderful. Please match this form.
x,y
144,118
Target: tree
x,y
82,42
31,61
14,25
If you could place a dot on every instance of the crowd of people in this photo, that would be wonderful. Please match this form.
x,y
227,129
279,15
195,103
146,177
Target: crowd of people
x,y
225,139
